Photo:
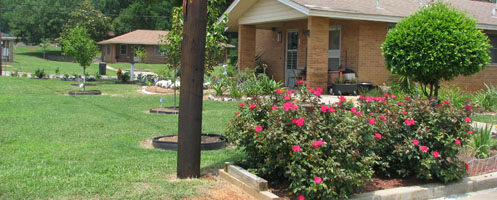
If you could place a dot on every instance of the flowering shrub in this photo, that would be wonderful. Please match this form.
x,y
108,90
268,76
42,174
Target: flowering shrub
x,y
417,138
329,151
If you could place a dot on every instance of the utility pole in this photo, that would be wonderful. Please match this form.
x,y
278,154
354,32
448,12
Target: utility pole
x,y
192,80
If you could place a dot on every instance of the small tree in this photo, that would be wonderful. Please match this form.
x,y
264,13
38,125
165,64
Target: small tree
x,y
45,43
81,48
141,53
437,43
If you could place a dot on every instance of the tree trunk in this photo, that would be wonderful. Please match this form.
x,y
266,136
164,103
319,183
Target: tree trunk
x,y
84,78
175,78
192,78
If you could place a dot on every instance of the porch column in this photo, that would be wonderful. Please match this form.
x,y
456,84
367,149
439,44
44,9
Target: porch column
x,y
246,47
317,56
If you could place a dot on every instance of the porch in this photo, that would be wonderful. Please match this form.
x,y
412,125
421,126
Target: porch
x,y
313,47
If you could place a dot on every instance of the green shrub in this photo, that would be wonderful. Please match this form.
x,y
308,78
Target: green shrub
x,y
482,141
455,95
486,99
125,77
218,85
408,124
40,73
304,145
436,43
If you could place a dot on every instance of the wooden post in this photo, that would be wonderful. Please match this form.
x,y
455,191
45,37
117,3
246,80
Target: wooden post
x,y
192,80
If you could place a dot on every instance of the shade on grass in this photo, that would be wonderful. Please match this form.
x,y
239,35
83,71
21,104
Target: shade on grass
x,y
57,146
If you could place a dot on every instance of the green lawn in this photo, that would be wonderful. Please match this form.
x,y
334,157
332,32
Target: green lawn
x,y
55,146
29,58
489,119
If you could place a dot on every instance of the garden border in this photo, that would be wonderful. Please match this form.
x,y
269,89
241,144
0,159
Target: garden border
x,y
257,187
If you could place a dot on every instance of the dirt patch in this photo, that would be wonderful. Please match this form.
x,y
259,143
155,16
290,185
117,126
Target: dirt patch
x,y
147,144
221,191
165,110
205,139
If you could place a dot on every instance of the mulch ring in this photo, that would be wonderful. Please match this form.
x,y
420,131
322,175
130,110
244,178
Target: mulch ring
x,y
165,110
204,139
87,92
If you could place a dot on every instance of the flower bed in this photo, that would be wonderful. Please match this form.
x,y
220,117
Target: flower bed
x,y
329,152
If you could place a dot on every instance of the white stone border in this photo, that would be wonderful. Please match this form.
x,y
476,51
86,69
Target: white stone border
x,y
257,187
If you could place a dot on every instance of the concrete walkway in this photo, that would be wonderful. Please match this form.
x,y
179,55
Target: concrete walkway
x,y
331,99
490,194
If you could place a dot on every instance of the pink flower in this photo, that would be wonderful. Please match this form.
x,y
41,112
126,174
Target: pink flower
x,y
370,114
317,143
382,117
338,103
405,112
468,107
301,197
241,105
353,110
331,109
341,98
290,92
296,148
415,142
393,96
278,91
252,106
377,135
299,82
446,102
409,122
386,95
286,98
237,113
300,121
258,128
256,135
274,107
458,142
358,113
436,154
467,119
372,121
467,166
399,103
445,130
318,179
407,98
423,148
318,92
324,108
470,132
289,105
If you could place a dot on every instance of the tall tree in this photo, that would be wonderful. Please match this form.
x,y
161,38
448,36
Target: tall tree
x,y
94,21
78,44
33,20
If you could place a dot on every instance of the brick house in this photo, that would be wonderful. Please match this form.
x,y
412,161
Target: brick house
x,y
319,36
121,48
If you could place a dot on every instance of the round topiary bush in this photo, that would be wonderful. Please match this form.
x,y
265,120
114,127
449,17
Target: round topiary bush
x,y
437,43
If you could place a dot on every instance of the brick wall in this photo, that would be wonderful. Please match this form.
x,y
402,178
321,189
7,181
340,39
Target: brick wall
x,y
475,82
372,66
317,59
246,46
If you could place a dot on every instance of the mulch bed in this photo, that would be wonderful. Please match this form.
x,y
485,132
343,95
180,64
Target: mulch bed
x,y
205,139
87,92
165,110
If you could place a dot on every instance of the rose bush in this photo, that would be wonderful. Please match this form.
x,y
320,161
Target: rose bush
x,y
331,151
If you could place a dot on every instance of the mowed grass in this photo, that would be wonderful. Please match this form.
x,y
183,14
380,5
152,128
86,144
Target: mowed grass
x,y
55,146
489,119
30,58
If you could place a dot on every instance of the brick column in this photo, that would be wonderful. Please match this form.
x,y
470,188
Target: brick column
x,y
317,52
246,46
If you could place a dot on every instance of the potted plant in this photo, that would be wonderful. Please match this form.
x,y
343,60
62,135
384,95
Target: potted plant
x,y
342,87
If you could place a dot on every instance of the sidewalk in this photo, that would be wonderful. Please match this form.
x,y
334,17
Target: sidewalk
x,y
490,194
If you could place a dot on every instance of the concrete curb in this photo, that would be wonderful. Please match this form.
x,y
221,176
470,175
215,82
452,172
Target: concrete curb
x,y
257,187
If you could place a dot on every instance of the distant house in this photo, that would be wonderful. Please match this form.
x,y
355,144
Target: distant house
x,y
8,47
319,37
122,48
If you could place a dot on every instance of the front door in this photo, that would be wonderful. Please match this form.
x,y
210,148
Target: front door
x,y
292,50
334,48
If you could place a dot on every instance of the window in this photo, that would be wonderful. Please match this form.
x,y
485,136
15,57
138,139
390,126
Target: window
x,y
334,48
493,49
108,49
124,49
158,52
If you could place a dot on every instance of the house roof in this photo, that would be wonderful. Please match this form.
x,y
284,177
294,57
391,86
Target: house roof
x,y
388,10
138,37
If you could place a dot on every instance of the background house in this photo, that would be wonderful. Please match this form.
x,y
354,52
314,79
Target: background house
x,y
319,36
8,47
122,48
